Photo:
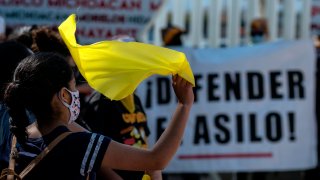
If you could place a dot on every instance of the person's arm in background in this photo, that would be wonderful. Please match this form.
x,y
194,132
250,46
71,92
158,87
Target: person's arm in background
x,y
85,89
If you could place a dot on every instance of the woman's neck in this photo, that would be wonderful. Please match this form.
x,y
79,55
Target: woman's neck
x,y
46,128
58,117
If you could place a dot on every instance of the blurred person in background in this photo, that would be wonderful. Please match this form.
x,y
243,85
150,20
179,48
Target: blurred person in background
x,y
11,53
2,29
315,173
48,39
171,36
259,30
22,35
124,121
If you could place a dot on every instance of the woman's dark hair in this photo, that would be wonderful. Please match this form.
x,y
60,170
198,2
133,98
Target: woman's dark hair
x,y
36,80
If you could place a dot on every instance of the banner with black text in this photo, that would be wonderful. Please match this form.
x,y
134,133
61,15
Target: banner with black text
x,y
97,20
254,109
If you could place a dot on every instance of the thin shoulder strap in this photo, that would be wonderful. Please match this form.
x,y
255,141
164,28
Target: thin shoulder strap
x,y
13,152
12,160
35,161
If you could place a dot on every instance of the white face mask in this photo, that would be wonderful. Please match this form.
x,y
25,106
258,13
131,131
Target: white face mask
x,y
74,107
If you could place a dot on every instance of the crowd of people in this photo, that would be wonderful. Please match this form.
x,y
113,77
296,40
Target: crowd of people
x,y
47,106
46,134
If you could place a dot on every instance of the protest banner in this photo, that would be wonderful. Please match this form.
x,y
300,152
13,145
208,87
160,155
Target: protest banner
x,y
254,109
97,19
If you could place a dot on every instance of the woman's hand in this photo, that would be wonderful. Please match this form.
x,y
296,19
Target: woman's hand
x,y
183,90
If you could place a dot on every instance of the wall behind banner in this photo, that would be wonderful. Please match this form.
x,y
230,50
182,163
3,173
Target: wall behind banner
x,y
97,19
254,109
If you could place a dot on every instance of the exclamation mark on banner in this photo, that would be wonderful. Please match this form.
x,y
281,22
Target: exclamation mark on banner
x,y
292,128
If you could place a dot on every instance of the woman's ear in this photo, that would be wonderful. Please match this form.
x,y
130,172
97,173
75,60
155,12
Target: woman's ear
x,y
65,96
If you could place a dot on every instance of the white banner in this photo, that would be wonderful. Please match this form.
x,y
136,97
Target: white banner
x,y
254,109
97,19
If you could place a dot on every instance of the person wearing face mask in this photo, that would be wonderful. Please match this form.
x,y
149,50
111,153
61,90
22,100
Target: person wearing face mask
x,y
44,84
47,39
11,54
74,107
259,31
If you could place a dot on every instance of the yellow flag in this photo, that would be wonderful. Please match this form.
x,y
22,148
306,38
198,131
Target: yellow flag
x,y
115,68
146,177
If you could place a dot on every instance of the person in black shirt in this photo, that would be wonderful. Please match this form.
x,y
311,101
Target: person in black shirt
x,y
124,121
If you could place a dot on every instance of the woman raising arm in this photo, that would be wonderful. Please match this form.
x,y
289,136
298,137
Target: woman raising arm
x,y
164,149
44,84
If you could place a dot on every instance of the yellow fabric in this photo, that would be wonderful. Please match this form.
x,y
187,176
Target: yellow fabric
x,y
146,177
115,68
128,103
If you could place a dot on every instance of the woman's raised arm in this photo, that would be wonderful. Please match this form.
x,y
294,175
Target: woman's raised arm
x,y
119,156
